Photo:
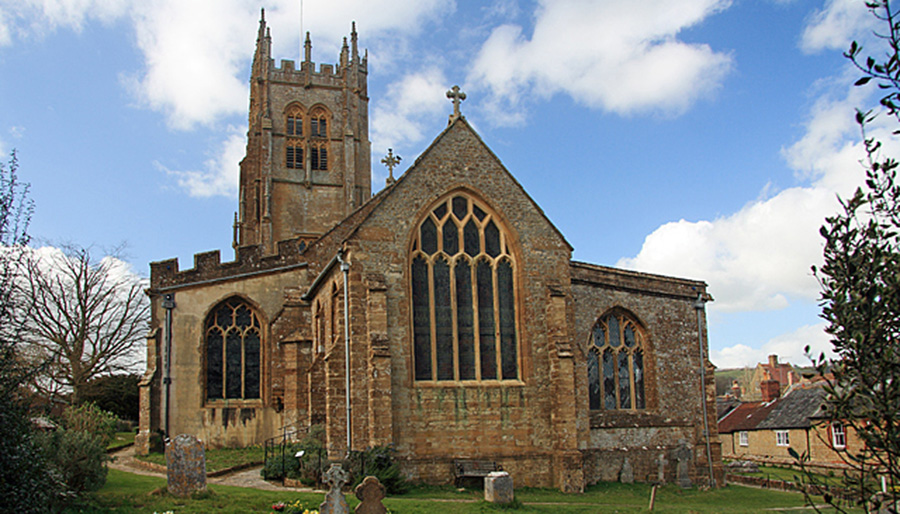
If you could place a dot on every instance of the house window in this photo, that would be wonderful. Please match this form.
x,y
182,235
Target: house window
x,y
233,344
616,363
782,438
838,436
744,438
463,295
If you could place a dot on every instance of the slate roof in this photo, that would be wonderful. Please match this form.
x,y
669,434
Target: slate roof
x,y
724,406
795,409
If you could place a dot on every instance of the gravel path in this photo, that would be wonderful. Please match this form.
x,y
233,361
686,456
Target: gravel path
x,y
123,460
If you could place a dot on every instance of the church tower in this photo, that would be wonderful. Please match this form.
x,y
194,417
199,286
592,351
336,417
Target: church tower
x,y
308,152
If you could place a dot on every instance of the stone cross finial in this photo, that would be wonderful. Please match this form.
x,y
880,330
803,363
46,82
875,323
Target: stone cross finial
x,y
390,161
456,96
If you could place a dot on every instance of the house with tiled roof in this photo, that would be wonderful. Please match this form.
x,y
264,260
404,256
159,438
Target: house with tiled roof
x,y
764,431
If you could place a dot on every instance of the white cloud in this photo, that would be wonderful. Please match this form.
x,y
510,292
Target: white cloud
x,y
788,347
759,257
400,116
39,17
220,174
835,25
619,56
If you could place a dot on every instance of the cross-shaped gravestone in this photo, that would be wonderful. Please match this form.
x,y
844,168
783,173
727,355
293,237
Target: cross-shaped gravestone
x,y
390,161
335,503
456,96
683,456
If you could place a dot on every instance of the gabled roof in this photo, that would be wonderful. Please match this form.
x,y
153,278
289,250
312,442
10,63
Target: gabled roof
x,y
745,416
349,225
795,409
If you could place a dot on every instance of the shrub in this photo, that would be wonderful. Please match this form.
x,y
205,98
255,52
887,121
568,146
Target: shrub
x,y
25,485
91,419
77,458
379,462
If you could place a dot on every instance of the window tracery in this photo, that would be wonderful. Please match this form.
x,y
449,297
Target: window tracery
x,y
293,122
233,344
463,295
616,363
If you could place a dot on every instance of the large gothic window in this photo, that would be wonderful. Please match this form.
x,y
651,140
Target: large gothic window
x,y
232,351
463,295
616,363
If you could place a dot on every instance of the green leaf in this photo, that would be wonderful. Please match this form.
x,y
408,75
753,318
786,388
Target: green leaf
x,y
863,81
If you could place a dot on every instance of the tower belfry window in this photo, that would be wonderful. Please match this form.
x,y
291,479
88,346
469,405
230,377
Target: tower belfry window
x,y
293,129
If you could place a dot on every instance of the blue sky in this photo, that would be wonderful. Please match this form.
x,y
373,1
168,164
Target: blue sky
x,y
698,138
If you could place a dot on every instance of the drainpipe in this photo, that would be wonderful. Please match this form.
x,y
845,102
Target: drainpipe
x,y
699,306
345,268
168,303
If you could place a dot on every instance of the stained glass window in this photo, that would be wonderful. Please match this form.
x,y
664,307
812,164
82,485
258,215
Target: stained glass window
x,y
233,346
617,344
463,295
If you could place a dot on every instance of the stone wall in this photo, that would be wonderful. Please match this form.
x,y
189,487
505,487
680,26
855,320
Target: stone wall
x,y
665,308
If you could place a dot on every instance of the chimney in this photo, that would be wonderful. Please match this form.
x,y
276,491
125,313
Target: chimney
x,y
773,361
736,390
770,390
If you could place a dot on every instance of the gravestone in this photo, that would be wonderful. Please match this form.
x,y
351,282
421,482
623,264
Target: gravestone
x,y
683,455
370,493
661,468
626,476
185,466
335,503
498,487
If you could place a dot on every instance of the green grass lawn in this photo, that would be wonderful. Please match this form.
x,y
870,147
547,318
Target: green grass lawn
x,y
218,459
790,475
126,492
121,439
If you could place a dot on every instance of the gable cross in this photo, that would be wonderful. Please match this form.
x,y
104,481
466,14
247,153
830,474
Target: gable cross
x,y
390,161
456,96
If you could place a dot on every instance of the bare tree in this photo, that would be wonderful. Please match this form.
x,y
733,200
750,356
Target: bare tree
x,y
87,318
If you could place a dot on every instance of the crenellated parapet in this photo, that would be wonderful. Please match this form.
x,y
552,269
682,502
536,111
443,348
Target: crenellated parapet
x,y
208,266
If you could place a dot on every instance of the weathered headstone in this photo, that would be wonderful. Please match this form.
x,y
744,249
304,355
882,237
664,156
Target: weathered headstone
x,y
335,503
661,468
498,487
185,466
370,493
626,475
683,455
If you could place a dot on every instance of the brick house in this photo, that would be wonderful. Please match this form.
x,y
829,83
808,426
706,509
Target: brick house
x,y
467,329
764,431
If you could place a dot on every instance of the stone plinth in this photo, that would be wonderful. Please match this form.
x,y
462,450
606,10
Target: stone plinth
x,y
185,466
498,487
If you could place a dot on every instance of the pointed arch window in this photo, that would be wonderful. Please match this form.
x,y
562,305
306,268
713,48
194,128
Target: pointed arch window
x,y
463,295
233,343
293,129
616,363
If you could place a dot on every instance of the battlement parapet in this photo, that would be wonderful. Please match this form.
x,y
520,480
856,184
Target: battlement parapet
x,y
288,67
208,265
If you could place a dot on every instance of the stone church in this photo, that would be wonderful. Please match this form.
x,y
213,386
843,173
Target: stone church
x,y
467,329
